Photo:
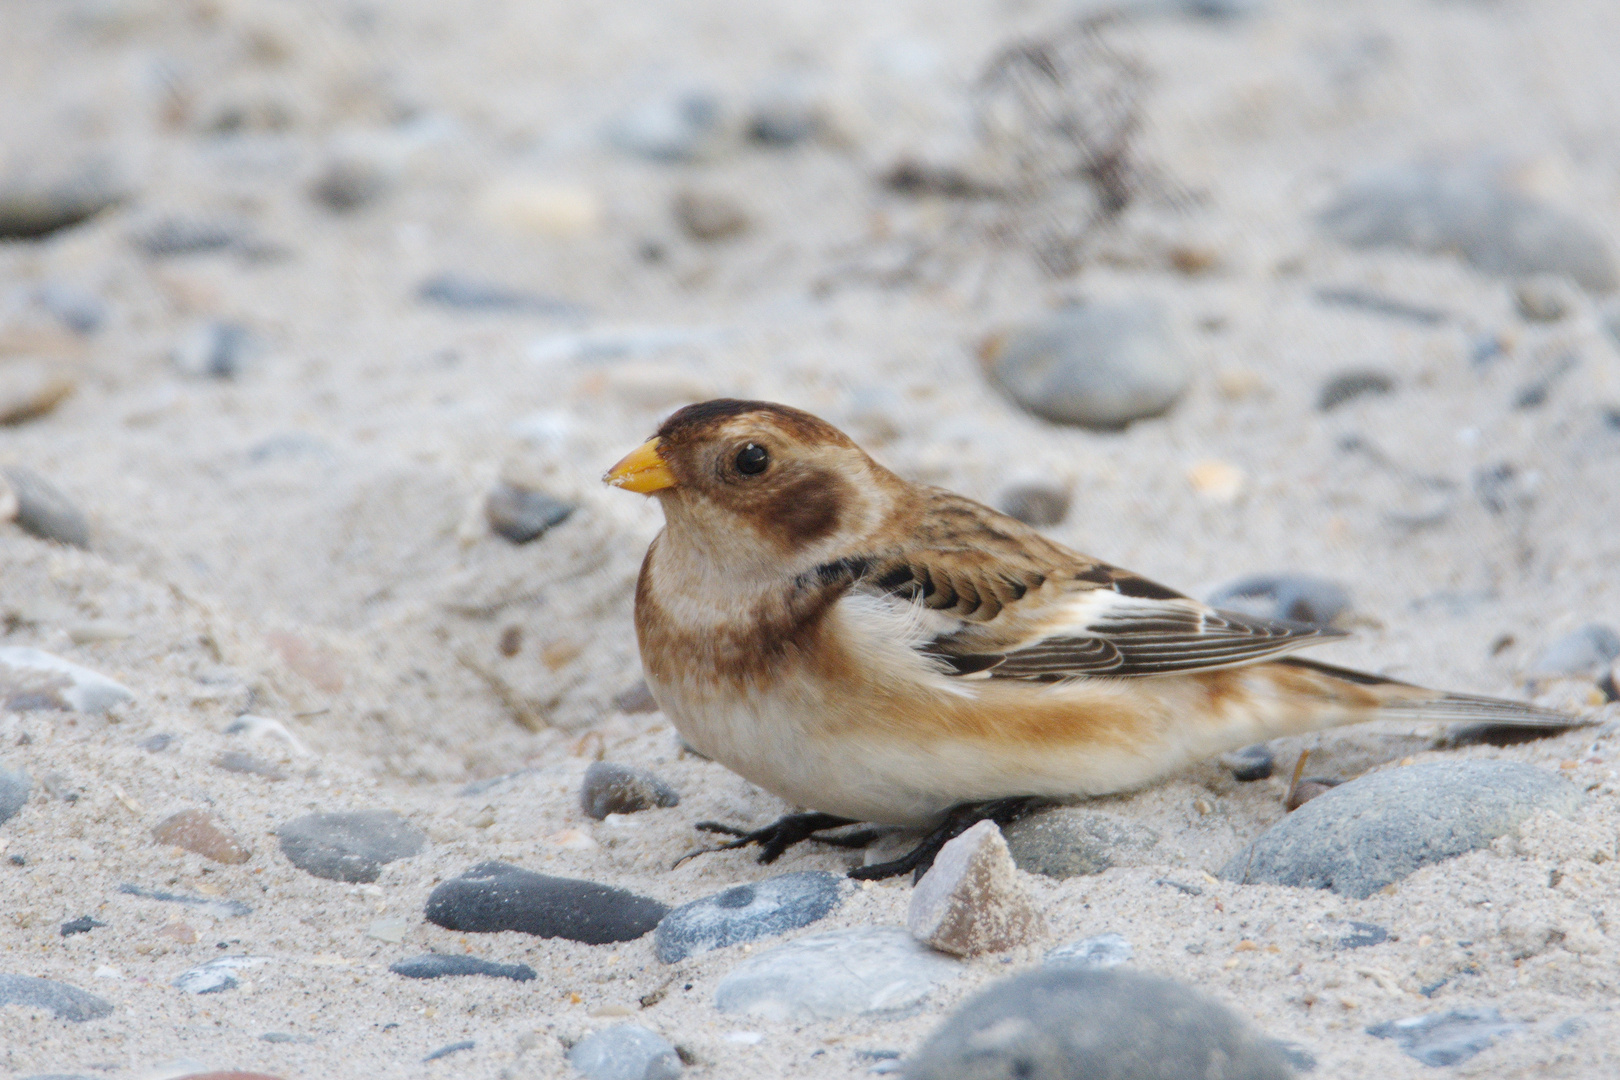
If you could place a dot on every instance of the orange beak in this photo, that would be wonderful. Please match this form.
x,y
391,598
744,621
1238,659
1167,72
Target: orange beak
x,y
642,470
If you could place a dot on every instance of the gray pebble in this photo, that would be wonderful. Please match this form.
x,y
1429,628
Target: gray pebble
x,y
708,216
495,896
440,965
1290,597
1250,763
1471,210
349,846
863,971
787,114
1349,385
1100,951
1361,935
1069,841
32,679
82,925
347,184
1040,505
240,761
225,909
472,294
452,1048
1064,1023
1446,1038
80,311
1100,366
746,913
14,789
33,208
1545,298
685,127
171,237
216,976
42,509
625,1052
610,788
1585,652
156,744
521,516
1375,830
286,1037
215,350
66,1002
637,699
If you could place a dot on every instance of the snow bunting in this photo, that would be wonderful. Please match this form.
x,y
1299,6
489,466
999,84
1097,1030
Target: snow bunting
x,y
883,651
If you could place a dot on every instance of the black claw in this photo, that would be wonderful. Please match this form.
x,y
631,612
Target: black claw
x,y
958,820
779,835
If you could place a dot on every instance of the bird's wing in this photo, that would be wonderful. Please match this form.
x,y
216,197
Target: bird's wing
x,y
1004,602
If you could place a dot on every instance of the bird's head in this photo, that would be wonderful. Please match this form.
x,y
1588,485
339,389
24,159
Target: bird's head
x,y
751,482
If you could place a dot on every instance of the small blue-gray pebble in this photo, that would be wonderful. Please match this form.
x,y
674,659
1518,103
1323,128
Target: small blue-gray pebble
x,y
439,965
625,1052
746,913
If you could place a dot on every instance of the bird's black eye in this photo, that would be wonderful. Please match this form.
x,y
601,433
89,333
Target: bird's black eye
x,y
752,459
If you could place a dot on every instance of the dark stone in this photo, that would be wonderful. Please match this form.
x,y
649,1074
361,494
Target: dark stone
x,y
470,294
1101,366
1361,935
1446,1038
1039,505
345,186
15,787
35,210
625,1052
746,913
67,1002
1251,763
1534,394
1066,1023
610,788
1289,597
521,516
182,236
1375,830
438,965
82,925
446,1051
708,216
42,509
349,846
1349,385
496,896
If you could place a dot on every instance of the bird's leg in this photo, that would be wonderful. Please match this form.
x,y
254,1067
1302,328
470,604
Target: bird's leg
x,y
958,820
782,834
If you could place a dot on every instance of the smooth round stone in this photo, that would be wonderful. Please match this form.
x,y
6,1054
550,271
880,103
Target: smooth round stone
x,y
708,216
496,896
1290,597
870,970
1100,951
1545,298
351,846
1584,652
440,965
34,679
1035,504
521,516
33,209
625,1052
199,831
1065,1023
610,788
686,127
14,789
1100,366
66,1002
1070,841
43,511
746,913
1250,763
1470,209
1375,830
30,389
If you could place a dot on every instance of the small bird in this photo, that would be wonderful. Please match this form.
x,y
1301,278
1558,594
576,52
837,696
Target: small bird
x,y
882,651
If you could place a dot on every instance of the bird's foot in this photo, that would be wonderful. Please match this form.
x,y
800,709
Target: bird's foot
x,y
958,820
782,834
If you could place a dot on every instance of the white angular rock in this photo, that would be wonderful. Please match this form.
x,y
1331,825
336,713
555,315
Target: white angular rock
x,y
971,901
26,670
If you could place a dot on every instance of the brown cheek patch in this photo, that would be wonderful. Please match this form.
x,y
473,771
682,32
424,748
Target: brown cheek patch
x,y
805,509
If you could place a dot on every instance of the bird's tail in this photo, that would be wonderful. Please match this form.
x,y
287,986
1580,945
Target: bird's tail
x,y
1373,697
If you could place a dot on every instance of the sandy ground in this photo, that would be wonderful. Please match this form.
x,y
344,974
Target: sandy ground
x,y
306,541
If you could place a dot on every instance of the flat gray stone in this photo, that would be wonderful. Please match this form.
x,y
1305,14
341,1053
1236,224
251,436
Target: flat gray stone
x,y
746,913
14,789
67,1002
1446,1038
1469,208
35,679
1069,1023
443,965
625,1052
610,788
1101,366
1096,952
870,970
351,846
521,516
1070,841
43,510
1375,830
496,896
